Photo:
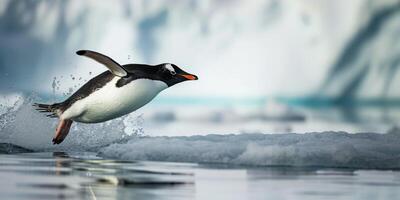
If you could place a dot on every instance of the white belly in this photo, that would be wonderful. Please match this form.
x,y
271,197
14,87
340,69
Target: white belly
x,y
110,102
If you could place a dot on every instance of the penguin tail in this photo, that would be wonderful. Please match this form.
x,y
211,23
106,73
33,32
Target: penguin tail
x,y
52,110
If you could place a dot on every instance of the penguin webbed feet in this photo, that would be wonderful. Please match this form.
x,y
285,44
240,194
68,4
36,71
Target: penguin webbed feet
x,y
56,141
62,131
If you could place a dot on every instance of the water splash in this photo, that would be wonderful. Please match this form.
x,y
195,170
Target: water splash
x,y
23,126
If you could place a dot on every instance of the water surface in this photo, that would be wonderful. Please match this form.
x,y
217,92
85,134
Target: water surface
x,y
59,175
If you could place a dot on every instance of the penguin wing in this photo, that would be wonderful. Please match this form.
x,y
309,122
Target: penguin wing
x,y
113,66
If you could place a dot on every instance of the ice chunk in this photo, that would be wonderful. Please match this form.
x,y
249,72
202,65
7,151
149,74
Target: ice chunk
x,y
326,149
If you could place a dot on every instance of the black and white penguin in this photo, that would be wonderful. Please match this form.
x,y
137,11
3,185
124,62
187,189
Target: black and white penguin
x,y
114,93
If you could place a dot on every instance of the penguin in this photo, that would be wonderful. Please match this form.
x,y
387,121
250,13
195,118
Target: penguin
x,y
118,91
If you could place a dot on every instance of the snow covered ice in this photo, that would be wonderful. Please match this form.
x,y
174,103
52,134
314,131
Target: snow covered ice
x,y
326,149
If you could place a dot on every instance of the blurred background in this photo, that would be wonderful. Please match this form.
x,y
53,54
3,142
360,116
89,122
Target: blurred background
x,y
266,66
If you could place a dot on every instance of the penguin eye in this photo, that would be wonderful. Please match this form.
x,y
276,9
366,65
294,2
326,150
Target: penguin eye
x,y
173,73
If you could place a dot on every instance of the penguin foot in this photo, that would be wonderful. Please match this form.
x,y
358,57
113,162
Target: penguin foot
x,y
62,131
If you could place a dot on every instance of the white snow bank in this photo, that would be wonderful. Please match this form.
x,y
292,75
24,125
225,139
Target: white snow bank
x,y
327,149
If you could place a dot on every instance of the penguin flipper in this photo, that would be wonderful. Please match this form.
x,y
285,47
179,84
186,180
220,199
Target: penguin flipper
x,y
113,66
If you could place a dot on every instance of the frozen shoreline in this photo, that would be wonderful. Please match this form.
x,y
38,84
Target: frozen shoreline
x,y
327,149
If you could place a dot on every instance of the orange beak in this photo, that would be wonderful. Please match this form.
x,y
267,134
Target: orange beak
x,y
189,76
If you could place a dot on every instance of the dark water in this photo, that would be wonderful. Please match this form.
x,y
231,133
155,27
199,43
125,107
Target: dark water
x,y
59,175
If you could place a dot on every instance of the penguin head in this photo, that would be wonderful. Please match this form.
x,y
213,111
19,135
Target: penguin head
x,y
172,74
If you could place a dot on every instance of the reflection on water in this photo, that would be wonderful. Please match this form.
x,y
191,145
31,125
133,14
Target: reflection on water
x,y
60,175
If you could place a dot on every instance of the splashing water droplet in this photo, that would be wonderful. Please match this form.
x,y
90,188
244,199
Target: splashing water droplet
x,y
21,121
133,125
54,84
